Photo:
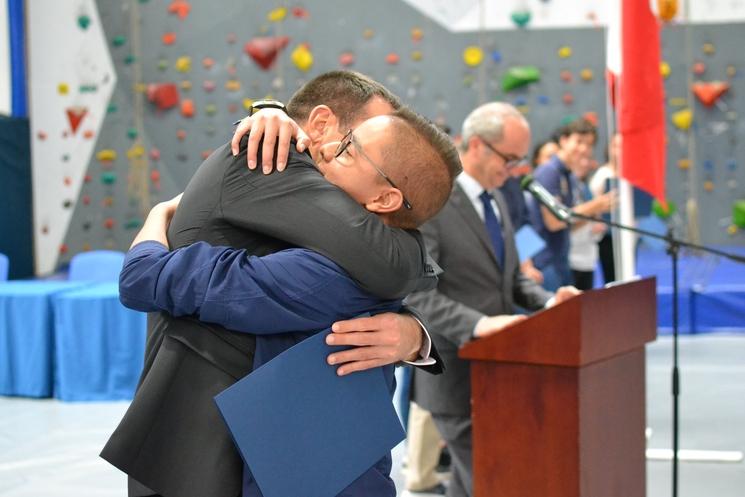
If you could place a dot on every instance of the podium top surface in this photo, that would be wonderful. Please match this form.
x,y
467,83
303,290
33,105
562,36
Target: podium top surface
x,y
596,325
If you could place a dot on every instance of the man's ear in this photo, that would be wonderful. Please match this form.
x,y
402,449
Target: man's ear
x,y
320,119
388,200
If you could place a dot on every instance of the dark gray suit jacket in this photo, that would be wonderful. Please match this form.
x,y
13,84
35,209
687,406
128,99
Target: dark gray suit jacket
x,y
172,439
472,286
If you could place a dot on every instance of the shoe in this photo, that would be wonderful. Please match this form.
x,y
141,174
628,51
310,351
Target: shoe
x,y
438,489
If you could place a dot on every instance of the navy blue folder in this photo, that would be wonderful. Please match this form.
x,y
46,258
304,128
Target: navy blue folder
x,y
303,430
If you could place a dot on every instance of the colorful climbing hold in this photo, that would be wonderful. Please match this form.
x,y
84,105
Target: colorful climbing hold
x,y
496,56
684,164
346,59
368,33
208,62
63,88
132,133
665,69
187,108
683,119
162,64
473,56
248,104
233,85
664,210
106,155
417,55
416,35
521,17
276,15
181,134
154,154
566,76
392,58
515,77
586,74
731,71
183,64
567,98
84,21
302,57
209,86
709,185
300,13
709,92
699,68
264,50
564,52
118,41
163,95
168,38
738,213
108,178
667,9
179,7
709,48
109,223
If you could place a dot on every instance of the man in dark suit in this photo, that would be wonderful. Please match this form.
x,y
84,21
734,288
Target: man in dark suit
x,y
472,239
172,439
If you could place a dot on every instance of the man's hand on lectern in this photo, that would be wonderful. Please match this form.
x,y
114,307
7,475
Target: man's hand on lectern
x,y
488,325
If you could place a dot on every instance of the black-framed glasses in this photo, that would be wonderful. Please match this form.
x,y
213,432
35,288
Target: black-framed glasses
x,y
349,139
510,161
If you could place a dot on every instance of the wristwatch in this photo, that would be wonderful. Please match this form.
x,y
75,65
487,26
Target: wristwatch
x,y
267,104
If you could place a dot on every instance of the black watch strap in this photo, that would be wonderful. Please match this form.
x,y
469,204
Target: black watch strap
x,y
267,104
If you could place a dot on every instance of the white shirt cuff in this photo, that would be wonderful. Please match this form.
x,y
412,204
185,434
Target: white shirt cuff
x,y
424,358
550,303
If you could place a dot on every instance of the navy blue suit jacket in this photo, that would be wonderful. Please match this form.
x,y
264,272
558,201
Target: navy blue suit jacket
x,y
282,298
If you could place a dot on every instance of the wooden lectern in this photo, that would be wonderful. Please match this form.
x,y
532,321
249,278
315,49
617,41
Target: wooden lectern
x,y
558,400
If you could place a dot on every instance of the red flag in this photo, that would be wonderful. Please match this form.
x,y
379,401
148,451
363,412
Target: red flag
x,y
640,98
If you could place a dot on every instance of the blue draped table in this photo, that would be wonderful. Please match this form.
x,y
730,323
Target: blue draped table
x,y
27,336
99,344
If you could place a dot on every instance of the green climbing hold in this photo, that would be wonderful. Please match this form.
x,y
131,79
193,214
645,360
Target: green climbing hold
x,y
664,212
162,64
521,17
108,178
84,21
519,76
118,41
133,224
132,133
111,108
129,59
88,88
738,214
210,109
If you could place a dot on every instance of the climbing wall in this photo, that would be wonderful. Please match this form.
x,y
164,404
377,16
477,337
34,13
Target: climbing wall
x,y
184,71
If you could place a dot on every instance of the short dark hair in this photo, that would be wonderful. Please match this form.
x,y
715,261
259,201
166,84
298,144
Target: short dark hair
x,y
345,92
579,126
425,166
537,151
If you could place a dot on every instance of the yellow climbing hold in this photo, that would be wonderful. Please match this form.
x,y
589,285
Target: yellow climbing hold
x,y
684,164
732,229
302,57
683,119
586,74
63,88
183,64
473,56
664,69
416,55
565,52
247,104
106,155
277,14
709,185
185,85
232,85
136,152
677,101
709,49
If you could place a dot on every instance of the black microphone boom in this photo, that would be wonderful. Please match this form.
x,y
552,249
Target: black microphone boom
x,y
561,212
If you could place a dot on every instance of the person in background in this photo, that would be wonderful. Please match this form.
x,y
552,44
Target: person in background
x,y
584,237
559,177
473,241
543,152
603,181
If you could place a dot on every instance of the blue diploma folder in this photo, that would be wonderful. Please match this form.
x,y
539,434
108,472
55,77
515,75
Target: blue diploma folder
x,y
303,430
528,242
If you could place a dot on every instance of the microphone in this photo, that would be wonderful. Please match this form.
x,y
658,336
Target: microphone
x,y
561,212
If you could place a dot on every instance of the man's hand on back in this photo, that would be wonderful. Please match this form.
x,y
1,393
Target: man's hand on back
x,y
379,340
277,128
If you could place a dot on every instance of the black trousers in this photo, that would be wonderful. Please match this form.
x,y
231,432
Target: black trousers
x,y
605,247
583,279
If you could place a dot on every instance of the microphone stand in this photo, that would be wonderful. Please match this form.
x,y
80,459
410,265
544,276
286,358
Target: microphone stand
x,y
673,248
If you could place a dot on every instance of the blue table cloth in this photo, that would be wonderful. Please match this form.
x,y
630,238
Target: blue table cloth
x,y
99,344
27,336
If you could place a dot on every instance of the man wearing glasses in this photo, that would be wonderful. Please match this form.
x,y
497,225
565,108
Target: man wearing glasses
x,y
472,239
172,440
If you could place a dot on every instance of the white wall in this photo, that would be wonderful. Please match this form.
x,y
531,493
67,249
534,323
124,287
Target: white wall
x,y
470,15
4,59
60,52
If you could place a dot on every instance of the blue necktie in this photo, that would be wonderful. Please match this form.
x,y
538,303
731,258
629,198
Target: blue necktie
x,y
493,227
